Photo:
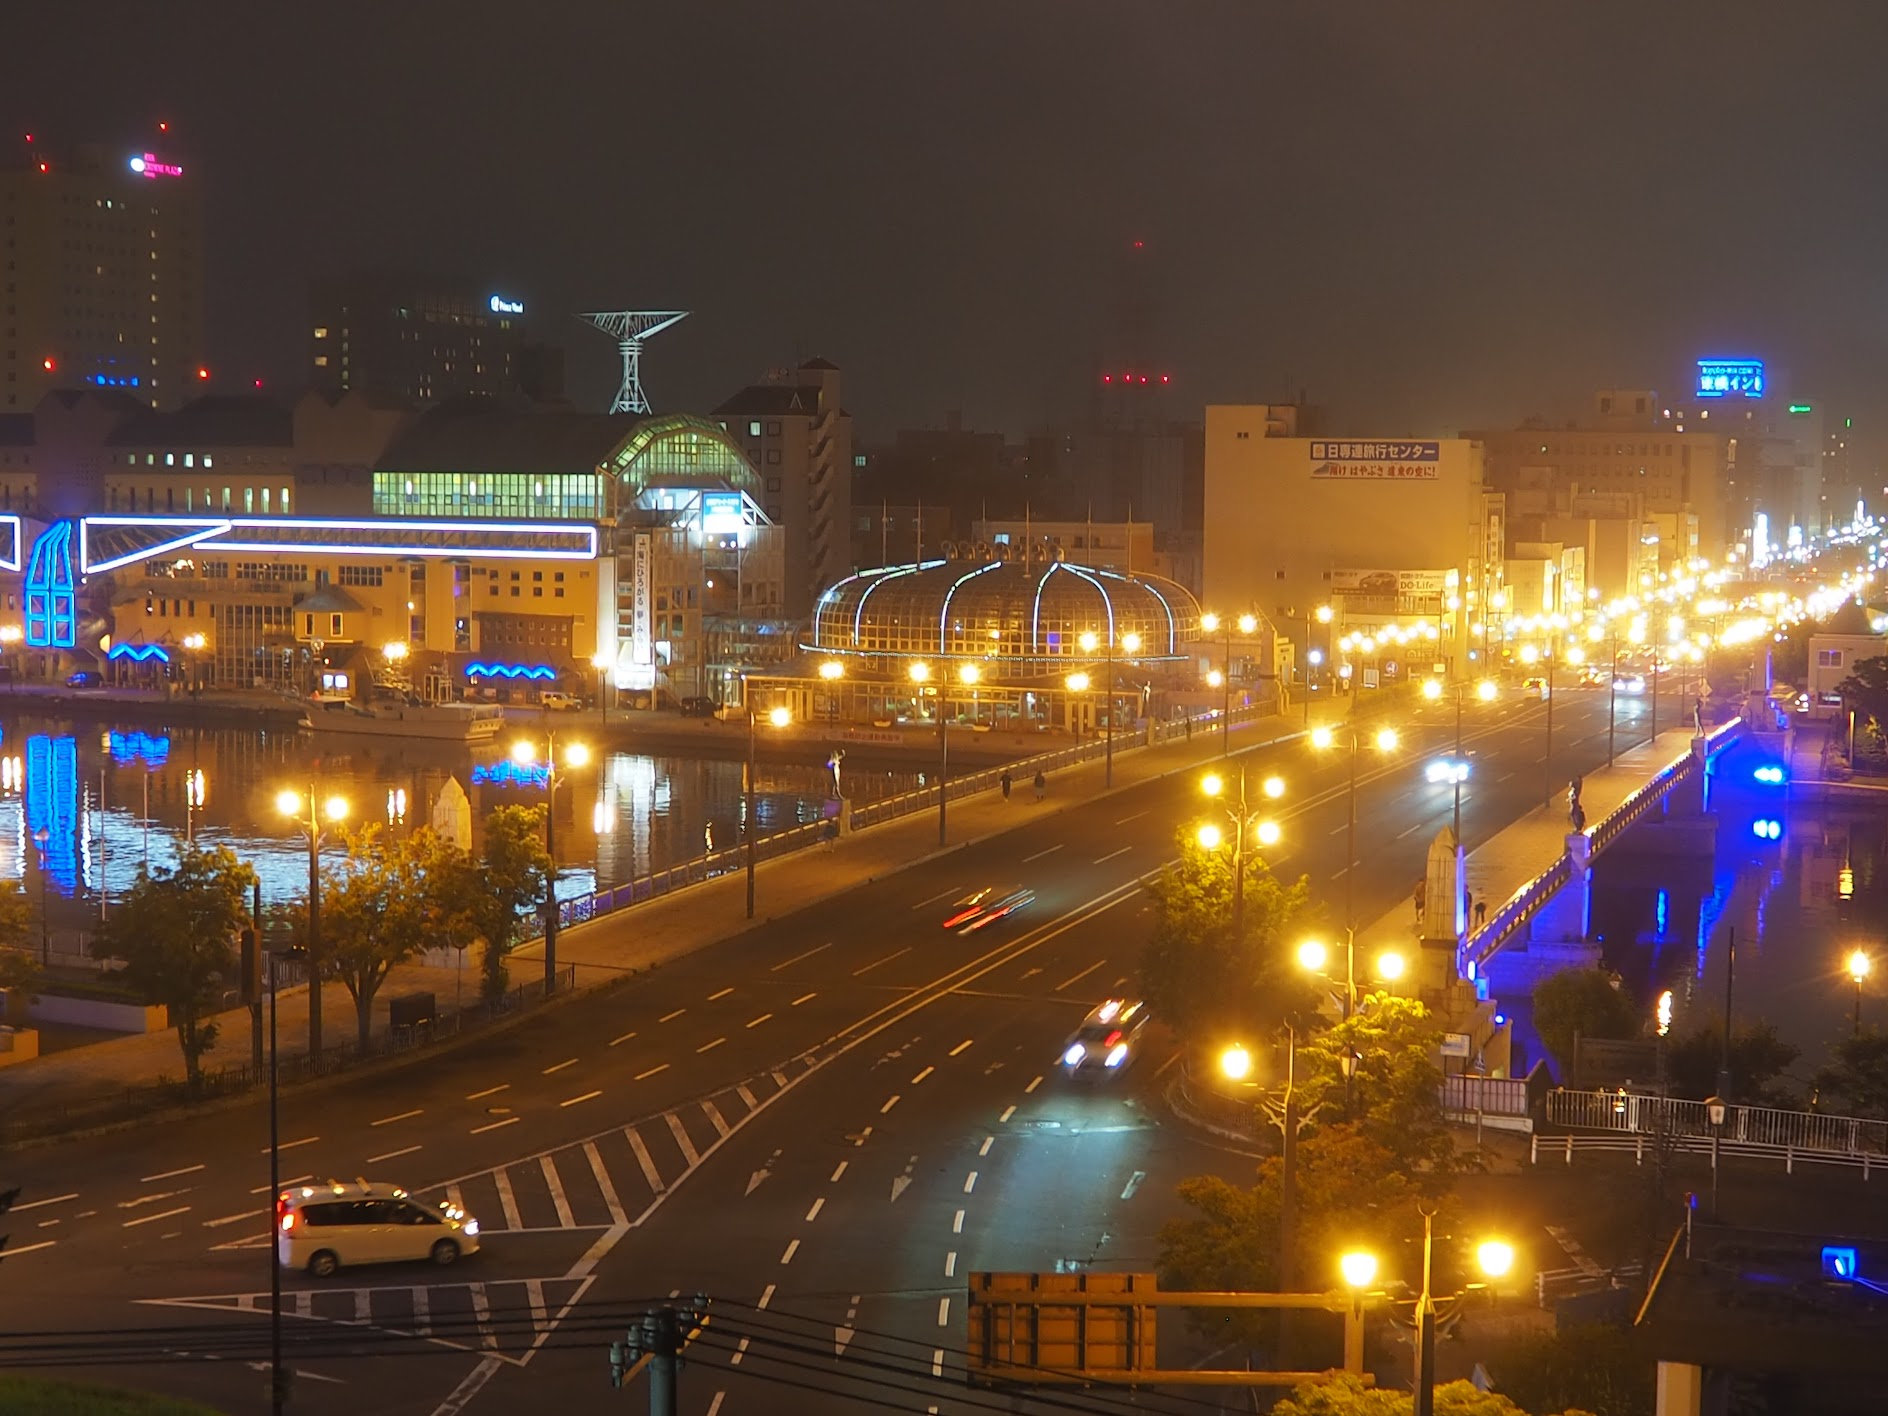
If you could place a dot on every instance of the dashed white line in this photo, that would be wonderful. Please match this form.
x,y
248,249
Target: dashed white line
x,y
489,1091
1033,1085
28,1248
945,895
792,1249
1080,976
1135,817
766,1297
710,1046
922,1075
950,1264
669,1017
970,1182
587,1096
264,1189
494,1125
1008,1112
957,1224
1411,832
797,957
739,1353
840,1171
960,1047
937,1361
1504,777
886,960
54,1200
162,1214
715,1406
376,1159
166,1175
403,1116
889,1105
1112,854
558,1067
645,1076
226,1219
984,1149
1040,854
1134,1183
943,1312
761,1019
818,1205
722,994
801,999
1341,829
624,1038
290,1145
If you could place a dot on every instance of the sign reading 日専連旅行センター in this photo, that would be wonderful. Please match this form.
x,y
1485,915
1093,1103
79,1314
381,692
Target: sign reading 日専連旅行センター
x,y
1338,460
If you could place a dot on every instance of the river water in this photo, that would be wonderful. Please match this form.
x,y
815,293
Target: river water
x,y
114,797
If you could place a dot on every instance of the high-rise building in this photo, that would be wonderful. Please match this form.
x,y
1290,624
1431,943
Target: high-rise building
x,y
103,278
796,431
424,340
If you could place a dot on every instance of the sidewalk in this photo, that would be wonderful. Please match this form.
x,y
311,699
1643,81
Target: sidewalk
x,y
643,936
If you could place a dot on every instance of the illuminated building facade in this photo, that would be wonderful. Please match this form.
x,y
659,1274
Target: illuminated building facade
x,y
103,283
424,340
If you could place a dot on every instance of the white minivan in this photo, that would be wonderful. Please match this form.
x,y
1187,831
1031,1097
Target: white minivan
x,y
321,1227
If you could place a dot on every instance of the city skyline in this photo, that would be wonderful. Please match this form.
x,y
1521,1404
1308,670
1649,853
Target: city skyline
x,y
1424,226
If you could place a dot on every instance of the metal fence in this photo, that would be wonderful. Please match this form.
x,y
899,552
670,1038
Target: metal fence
x,y
1646,1143
1467,1094
1764,1127
29,1121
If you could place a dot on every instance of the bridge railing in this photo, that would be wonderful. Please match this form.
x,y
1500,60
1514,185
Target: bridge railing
x,y
1637,1113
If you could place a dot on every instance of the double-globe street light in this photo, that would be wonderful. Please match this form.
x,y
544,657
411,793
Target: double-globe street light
x,y
969,675
1221,677
1245,820
1385,741
1314,956
575,754
1455,771
1131,644
308,812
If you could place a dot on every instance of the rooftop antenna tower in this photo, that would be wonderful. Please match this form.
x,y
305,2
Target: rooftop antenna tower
x,y
631,328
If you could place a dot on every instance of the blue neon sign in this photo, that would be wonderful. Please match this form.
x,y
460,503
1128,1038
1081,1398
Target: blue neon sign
x,y
1730,378
510,671
52,619
139,653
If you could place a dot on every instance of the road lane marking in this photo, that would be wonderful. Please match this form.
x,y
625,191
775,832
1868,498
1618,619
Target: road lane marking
x,y
1080,976
941,895
739,1353
950,1264
1040,854
489,1091
818,1205
715,1406
494,1125
483,1310
1341,829
28,1248
264,1189
761,1019
376,1159
290,1145
55,1200
889,1105
937,1361
801,999
162,1214
624,1038
587,1096
403,1116
709,1110
792,1249
1502,779
556,1187
970,1182
922,1075
722,994
1008,1112
766,1297
837,1173
886,960
1112,854
682,1141
422,1310
960,1047
1033,1085
558,1067
219,1223
709,1046
1411,832
957,1224
604,1184
984,1149
789,963
666,1017
943,1312
780,1080
1134,1183
649,1172
506,1200
645,1076
163,1175
1135,817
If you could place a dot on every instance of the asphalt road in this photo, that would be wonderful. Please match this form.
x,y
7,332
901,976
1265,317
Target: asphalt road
x,y
824,1125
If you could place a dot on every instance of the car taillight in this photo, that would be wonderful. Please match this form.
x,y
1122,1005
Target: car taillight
x,y
1113,1038
288,1221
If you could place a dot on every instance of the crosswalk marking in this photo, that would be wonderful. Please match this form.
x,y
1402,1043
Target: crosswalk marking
x,y
649,1172
779,1080
689,1153
556,1187
747,1097
617,1216
534,1295
480,1306
304,1303
506,1201
362,1310
714,1118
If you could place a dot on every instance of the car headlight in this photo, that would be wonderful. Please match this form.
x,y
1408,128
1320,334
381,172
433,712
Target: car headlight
x,y
471,1228
1118,1054
1073,1057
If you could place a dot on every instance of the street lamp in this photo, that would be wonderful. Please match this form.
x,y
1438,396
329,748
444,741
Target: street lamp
x,y
1494,1257
293,804
40,836
1221,678
524,753
1315,957
1385,740
779,718
1859,965
831,671
600,661
1235,1063
1243,820
1715,1110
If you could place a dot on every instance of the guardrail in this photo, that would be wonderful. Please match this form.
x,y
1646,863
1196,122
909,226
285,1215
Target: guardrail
x,y
1565,1147
1770,1128
1528,901
1550,1285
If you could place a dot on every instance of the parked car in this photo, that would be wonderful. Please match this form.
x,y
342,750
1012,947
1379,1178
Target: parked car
x,y
85,678
556,702
698,707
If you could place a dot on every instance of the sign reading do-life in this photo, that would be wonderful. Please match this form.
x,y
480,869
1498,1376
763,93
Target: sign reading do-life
x,y
501,306
147,165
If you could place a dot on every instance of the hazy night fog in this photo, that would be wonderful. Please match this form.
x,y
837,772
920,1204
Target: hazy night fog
x,y
1430,217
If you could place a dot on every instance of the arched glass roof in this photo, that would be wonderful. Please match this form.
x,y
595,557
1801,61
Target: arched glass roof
x,y
676,450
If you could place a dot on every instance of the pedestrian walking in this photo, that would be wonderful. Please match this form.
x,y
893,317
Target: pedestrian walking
x,y
1468,902
1005,782
1481,913
1189,727
1042,785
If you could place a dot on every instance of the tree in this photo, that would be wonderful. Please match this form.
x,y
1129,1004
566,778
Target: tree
x,y
506,887
1758,1058
1207,984
1584,1002
1856,1082
1346,1395
381,905
1865,691
1394,1092
176,932
1589,1367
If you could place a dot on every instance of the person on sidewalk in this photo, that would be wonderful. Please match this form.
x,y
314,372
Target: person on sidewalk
x,y
1006,784
1042,785
1481,913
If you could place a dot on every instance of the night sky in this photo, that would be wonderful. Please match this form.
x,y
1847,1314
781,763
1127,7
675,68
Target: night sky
x,y
1428,215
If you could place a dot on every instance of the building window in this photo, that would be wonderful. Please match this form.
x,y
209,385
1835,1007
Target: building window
x,y
753,428
773,456
1828,658
773,430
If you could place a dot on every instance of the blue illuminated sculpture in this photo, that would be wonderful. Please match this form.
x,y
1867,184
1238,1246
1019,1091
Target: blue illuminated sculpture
x,y
52,620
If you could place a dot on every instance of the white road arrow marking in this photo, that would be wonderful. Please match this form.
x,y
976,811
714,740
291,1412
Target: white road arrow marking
x,y
841,1336
900,1183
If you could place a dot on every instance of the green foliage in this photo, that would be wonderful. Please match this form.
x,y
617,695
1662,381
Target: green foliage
x,y
1586,1002
30,1396
1347,1396
1865,691
1855,1083
504,887
1394,1091
1206,984
16,916
176,932
1592,1367
1758,1058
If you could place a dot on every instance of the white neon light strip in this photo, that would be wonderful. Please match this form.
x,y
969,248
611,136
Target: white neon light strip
x,y
206,530
1100,589
214,532
1173,632
1035,610
943,615
894,573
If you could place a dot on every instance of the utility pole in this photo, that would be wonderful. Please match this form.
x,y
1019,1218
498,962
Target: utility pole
x,y
657,1343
